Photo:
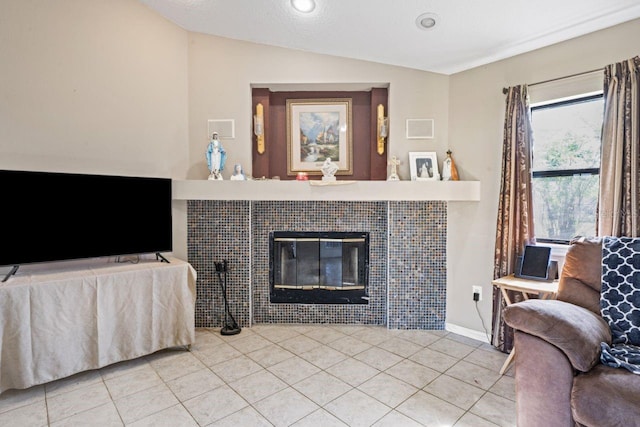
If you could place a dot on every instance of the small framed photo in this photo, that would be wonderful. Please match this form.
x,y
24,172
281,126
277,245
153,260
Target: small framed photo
x,y
424,166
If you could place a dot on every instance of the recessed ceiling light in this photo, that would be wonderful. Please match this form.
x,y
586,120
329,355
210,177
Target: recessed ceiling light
x,y
427,21
304,6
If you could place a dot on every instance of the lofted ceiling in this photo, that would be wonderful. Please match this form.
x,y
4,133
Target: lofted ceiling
x,y
467,33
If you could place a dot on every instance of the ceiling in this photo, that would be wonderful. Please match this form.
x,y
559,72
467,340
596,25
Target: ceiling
x,y
467,34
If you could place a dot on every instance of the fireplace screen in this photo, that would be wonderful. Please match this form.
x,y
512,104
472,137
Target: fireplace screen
x,y
319,267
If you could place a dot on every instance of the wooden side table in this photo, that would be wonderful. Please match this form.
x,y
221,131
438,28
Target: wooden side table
x,y
544,290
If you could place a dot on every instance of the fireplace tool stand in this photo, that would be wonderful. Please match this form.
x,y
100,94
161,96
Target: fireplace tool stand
x,y
230,325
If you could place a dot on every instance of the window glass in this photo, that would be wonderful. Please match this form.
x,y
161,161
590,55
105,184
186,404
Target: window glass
x,y
566,167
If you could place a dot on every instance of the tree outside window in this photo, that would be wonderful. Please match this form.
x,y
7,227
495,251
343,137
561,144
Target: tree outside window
x,y
566,167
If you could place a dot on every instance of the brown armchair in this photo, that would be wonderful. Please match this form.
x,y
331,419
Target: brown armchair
x,y
559,378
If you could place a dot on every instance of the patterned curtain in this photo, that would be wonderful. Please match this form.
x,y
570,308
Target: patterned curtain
x,y
618,208
515,211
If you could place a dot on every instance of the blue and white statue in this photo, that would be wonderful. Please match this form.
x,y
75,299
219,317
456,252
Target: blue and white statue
x,y
216,158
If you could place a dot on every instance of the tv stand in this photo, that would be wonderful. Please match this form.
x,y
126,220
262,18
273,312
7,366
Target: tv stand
x,y
126,311
13,271
160,258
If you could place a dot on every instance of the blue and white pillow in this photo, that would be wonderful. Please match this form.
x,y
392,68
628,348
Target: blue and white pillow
x,y
620,301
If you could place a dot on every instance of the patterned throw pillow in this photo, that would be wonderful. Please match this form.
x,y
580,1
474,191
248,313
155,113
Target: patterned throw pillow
x,y
620,296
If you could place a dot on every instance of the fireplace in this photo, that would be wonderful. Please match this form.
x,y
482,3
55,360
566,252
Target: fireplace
x,y
406,271
318,267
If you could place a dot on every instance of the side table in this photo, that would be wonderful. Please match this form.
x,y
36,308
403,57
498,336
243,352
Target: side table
x,y
544,290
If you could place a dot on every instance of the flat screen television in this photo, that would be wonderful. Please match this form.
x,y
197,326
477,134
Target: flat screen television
x,y
48,216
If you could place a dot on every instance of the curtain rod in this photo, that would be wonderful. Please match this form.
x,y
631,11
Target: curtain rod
x,y
505,90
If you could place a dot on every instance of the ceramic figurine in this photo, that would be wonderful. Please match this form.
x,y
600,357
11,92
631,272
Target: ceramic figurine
x,y
238,173
449,171
394,162
329,169
216,158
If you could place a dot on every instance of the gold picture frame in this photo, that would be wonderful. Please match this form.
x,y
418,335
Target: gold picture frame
x,y
318,129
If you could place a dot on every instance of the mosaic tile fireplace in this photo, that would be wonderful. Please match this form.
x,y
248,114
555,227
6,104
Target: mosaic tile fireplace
x,y
407,260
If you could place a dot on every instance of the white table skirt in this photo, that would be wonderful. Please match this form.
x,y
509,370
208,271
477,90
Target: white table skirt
x,y
59,319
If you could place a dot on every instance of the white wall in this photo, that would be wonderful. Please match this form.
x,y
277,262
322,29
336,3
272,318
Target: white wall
x,y
475,136
92,86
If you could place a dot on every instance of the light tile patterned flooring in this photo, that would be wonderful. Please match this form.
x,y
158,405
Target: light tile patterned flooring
x,y
282,375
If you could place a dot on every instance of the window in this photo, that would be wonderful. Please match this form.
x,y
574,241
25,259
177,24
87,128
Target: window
x,y
566,167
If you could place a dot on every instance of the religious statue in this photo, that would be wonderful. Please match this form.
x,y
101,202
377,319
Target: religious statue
x,y
216,158
329,169
238,173
449,171
394,162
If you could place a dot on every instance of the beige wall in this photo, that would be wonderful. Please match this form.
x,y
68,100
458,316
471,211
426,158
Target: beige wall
x,y
475,136
221,72
92,86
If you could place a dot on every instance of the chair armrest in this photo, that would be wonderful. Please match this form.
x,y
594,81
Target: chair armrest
x,y
576,331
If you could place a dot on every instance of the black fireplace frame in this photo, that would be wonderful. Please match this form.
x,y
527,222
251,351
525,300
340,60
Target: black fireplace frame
x,y
318,296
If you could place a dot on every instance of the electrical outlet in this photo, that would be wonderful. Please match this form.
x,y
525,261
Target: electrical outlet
x,y
477,290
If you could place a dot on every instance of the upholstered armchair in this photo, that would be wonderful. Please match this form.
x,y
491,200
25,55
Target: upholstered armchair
x,y
559,378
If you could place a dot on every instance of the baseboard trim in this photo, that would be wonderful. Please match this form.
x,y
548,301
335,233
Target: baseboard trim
x,y
466,332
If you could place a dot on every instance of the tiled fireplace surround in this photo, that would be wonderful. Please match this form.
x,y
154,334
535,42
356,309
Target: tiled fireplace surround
x,y
407,275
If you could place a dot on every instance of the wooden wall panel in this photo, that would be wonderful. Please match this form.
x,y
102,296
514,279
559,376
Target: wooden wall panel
x,y
274,161
378,165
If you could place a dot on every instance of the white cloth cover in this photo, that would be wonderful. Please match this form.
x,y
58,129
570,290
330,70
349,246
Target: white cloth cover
x,y
59,319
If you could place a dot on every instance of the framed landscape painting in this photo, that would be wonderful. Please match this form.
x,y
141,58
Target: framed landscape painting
x,y
319,129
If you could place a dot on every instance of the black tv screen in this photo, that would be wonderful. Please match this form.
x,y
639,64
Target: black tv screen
x,y
49,216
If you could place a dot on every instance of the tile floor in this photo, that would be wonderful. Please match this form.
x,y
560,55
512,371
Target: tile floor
x,y
285,375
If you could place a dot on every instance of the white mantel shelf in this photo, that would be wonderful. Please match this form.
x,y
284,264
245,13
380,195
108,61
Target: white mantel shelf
x,y
449,191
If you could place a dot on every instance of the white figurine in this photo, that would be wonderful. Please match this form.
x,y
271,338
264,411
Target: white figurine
x,y
449,171
329,169
238,173
394,162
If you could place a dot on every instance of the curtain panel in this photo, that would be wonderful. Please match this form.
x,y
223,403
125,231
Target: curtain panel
x,y
618,208
515,211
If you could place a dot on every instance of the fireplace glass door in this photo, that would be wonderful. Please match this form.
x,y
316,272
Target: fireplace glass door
x,y
319,267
